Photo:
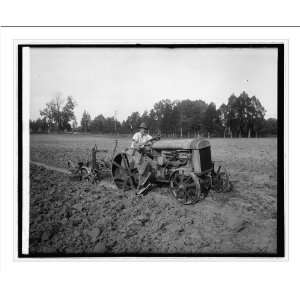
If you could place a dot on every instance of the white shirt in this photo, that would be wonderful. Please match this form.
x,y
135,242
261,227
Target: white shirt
x,y
139,138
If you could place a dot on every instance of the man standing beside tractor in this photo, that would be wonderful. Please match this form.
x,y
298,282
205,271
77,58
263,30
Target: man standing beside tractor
x,y
141,142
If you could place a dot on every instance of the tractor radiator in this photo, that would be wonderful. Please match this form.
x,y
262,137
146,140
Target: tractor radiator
x,y
205,159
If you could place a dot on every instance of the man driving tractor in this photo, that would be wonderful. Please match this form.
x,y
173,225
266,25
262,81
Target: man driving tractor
x,y
141,142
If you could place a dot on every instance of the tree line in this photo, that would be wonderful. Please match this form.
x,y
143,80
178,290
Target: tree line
x,y
242,116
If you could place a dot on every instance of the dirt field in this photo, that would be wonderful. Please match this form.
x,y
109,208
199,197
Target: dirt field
x,y
67,216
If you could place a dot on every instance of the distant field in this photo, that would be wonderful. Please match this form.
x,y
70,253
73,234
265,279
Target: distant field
x,y
243,220
57,149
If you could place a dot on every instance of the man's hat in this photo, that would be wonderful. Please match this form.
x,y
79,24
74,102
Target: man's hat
x,y
143,125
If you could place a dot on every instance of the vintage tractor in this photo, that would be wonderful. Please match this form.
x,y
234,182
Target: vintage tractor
x,y
184,164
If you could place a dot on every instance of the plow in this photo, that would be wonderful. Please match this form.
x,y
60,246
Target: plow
x,y
184,165
94,168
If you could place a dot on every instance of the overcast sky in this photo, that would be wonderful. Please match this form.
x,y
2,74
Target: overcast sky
x,y
104,80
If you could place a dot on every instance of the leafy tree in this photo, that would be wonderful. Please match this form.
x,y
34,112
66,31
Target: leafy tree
x,y
242,116
211,121
85,121
52,112
153,122
67,114
105,125
133,121
223,114
98,124
109,125
257,117
163,110
58,115
39,125
191,116
233,115
270,127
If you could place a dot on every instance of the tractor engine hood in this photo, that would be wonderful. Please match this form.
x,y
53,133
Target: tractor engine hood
x,y
181,144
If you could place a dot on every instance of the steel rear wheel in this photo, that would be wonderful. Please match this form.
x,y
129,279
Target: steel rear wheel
x,y
185,188
124,176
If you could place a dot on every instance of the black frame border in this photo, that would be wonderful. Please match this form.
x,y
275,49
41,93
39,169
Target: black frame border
x,y
280,152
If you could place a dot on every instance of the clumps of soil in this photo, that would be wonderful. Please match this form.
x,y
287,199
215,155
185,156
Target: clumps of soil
x,y
77,217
